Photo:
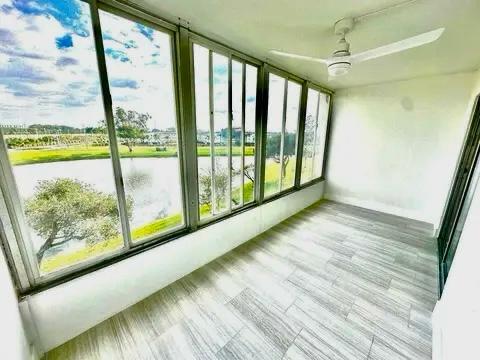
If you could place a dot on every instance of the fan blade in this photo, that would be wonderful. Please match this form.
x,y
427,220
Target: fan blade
x,y
398,46
300,57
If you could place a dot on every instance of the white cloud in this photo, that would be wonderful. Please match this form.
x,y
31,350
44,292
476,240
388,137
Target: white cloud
x,y
275,103
50,102
149,66
73,96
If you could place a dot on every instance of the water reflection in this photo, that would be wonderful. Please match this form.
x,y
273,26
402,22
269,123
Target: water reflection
x,y
137,178
154,184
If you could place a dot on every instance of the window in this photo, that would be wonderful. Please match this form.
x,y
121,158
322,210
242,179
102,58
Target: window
x,y
276,93
315,135
221,128
84,179
59,150
282,128
250,105
140,73
225,146
51,115
289,154
244,95
237,131
204,133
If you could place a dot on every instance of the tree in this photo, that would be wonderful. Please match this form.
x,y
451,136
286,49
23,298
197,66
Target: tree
x,y
130,125
221,183
309,136
273,148
63,209
249,172
205,187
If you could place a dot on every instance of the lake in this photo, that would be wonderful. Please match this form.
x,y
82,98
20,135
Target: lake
x,y
153,183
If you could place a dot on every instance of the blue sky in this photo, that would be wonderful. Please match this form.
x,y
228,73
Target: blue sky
x,y
48,69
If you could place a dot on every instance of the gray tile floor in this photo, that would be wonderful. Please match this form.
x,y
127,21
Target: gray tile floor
x,y
332,282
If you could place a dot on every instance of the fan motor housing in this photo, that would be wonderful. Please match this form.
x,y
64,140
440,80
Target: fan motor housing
x,y
342,48
343,26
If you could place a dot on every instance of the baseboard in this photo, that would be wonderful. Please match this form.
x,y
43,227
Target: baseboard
x,y
388,209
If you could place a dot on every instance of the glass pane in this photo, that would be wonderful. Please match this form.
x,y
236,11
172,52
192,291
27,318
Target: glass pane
x,y
237,133
250,116
52,119
202,116
290,137
221,173
309,135
139,65
274,134
321,135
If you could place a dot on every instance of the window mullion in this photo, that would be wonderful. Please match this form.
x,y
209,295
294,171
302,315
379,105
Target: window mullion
x,y
261,132
19,241
187,120
229,138
327,135
212,131
242,135
282,137
314,155
107,104
301,132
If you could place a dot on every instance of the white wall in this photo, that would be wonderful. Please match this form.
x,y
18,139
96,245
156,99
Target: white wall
x,y
456,317
394,146
13,341
67,310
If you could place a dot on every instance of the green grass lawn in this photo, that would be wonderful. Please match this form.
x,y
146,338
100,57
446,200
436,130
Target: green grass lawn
x,y
60,260
272,176
34,156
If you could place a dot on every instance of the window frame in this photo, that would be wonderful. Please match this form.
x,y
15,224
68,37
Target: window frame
x,y
172,33
231,55
182,39
28,270
299,81
320,89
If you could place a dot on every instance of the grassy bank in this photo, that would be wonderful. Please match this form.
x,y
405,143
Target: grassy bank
x,y
272,176
34,156
63,260
59,261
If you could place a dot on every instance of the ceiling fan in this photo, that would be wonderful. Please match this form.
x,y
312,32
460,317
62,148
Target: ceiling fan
x,y
341,60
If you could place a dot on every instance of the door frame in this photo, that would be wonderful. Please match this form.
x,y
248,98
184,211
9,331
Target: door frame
x,y
461,193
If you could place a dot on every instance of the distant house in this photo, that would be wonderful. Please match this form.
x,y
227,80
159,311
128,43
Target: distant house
x,y
250,138
221,137
203,137
162,137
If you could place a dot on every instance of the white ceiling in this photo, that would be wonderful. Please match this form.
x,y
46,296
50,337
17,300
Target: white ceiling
x,y
306,27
